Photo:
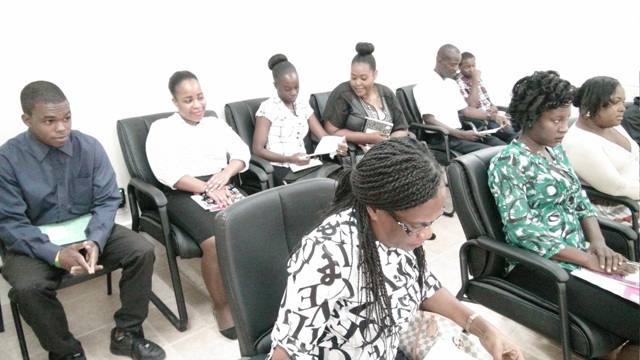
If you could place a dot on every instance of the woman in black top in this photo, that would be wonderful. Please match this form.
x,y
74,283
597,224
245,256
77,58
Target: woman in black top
x,y
355,105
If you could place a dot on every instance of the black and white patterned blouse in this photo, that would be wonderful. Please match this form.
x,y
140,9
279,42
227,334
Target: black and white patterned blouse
x,y
323,311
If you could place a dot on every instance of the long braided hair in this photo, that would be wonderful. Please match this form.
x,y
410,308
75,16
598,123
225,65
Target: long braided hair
x,y
398,174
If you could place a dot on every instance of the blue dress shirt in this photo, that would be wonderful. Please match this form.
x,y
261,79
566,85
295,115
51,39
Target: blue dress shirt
x,y
40,184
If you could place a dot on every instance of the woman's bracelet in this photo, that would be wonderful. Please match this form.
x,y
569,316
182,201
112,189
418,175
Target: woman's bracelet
x,y
56,262
470,319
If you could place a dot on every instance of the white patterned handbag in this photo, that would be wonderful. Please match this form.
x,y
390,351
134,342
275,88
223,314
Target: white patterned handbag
x,y
430,335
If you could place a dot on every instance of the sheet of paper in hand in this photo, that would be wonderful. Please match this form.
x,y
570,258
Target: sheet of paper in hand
x,y
485,131
372,125
327,145
67,232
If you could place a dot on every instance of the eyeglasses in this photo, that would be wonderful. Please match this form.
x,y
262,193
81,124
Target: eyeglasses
x,y
406,227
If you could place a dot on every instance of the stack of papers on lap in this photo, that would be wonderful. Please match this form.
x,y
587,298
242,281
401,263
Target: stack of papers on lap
x,y
312,163
67,232
627,287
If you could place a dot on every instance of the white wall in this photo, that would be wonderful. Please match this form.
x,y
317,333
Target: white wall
x,y
113,60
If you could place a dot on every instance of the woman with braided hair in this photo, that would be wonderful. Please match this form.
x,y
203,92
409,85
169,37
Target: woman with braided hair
x,y
544,209
357,279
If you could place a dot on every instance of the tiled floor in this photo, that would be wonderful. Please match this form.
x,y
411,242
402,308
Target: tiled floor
x,y
90,311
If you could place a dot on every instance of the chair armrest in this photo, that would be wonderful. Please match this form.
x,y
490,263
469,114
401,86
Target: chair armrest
x,y
627,231
522,256
478,123
431,128
259,172
261,163
155,194
623,200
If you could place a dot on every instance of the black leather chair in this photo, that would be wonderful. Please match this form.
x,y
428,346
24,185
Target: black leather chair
x,y
436,137
241,116
1,318
318,102
148,202
253,259
67,281
482,264
631,204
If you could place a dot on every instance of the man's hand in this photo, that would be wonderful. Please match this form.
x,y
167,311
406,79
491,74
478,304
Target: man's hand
x,y
476,75
469,135
501,120
72,259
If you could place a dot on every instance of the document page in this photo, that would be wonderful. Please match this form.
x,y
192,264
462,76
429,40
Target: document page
x,y
67,232
327,145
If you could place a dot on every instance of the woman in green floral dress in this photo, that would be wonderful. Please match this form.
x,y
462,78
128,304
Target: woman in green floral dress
x,y
545,210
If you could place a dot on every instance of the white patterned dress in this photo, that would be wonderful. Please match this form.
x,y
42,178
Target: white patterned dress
x,y
323,311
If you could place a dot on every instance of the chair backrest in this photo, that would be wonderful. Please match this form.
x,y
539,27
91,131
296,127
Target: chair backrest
x,y
132,134
478,213
408,104
241,116
318,101
254,239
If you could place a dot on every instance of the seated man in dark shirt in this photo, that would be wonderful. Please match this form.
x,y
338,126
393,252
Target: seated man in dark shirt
x,y
51,174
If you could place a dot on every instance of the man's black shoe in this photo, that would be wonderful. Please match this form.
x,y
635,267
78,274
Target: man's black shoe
x,y
135,345
76,356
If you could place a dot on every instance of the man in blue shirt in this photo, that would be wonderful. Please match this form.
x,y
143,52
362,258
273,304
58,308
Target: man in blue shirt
x,y
50,174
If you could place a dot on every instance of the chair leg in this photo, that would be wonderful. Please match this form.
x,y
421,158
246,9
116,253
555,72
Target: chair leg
x,y
109,284
1,321
21,339
180,321
453,211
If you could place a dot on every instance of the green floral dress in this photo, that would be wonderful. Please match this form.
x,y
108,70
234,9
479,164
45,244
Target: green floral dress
x,y
541,202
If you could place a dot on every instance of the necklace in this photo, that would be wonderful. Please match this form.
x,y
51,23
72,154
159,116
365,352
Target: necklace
x,y
371,99
292,109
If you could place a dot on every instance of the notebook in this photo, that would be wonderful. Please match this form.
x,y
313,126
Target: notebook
x,y
67,232
372,125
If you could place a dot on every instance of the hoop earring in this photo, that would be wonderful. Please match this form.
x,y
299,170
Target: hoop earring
x,y
588,114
